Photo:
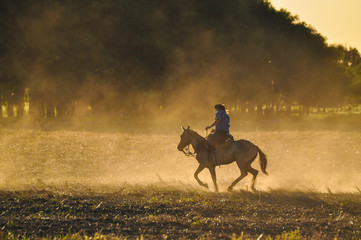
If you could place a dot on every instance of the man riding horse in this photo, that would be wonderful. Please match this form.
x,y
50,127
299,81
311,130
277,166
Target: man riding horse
x,y
242,152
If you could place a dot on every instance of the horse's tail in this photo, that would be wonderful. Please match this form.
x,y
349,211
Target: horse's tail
x,y
262,161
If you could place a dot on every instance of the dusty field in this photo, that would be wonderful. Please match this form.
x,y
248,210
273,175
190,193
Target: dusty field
x,y
58,182
157,212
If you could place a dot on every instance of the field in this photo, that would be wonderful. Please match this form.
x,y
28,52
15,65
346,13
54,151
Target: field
x,y
57,183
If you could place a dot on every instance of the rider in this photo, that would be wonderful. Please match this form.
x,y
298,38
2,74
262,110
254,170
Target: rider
x,y
221,123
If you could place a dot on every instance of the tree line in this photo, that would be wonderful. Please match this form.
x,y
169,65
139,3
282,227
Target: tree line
x,y
119,57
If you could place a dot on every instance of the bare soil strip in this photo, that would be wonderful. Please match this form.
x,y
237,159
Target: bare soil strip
x,y
157,212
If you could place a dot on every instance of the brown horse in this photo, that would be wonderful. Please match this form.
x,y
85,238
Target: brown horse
x,y
241,151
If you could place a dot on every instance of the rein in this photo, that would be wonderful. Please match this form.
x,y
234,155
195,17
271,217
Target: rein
x,y
188,152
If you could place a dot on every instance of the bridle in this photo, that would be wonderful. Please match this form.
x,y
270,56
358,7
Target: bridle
x,y
188,152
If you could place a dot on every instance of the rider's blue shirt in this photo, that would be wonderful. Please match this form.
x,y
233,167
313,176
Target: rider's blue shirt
x,y
224,124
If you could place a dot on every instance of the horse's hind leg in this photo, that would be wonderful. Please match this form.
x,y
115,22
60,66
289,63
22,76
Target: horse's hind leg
x,y
254,172
200,169
243,175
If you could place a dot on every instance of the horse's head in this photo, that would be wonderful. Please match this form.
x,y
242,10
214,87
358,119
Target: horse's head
x,y
185,138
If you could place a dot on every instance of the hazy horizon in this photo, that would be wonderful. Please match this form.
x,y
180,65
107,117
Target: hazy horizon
x,y
338,21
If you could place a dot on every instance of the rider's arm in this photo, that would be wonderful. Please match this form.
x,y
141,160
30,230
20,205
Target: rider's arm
x,y
216,122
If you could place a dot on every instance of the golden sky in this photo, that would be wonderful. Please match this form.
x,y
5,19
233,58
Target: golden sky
x,y
337,20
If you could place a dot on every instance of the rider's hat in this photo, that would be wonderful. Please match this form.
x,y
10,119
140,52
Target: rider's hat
x,y
220,107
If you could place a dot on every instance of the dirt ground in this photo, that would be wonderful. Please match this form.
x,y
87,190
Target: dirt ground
x,y
56,182
178,212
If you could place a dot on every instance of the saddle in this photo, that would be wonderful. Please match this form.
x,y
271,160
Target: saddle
x,y
226,143
213,150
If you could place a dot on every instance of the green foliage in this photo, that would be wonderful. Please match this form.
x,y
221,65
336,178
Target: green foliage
x,y
154,200
292,235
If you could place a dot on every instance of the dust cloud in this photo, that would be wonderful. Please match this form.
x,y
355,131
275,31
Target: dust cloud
x,y
297,160
156,61
120,65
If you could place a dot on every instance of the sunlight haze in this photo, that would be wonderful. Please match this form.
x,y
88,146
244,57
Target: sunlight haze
x,y
338,21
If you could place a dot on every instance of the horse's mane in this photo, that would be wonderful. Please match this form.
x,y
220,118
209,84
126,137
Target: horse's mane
x,y
202,146
199,137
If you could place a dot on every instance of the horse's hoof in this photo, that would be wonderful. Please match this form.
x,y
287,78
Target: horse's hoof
x,y
205,185
229,189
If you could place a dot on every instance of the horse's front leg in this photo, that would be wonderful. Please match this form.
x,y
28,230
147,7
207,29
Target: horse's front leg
x,y
200,169
212,170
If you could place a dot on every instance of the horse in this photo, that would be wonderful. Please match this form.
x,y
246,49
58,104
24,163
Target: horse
x,y
243,152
